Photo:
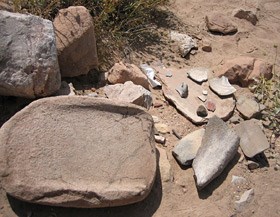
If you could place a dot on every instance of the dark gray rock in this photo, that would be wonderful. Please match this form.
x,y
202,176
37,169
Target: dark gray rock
x,y
219,146
246,14
202,111
28,56
252,139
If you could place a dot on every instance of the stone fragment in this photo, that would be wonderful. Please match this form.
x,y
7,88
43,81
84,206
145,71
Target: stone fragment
x,y
150,72
160,139
219,23
248,107
199,74
183,90
66,89
155,119
210,105
221,86
169,74
201,111
252,165
185,42
162,128
206,46
205,92
238,180
28,56
219,146
52,144
246,198
123,72
164,166
186,149
203,98
188,106
252,139
75,41
244,70
245,14
129,92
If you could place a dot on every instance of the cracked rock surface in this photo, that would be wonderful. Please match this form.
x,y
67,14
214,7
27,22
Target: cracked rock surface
x,y
78,152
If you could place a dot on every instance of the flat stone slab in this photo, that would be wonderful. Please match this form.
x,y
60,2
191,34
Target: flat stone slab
x,y
188,106
186,149
81,152
218,147
252,139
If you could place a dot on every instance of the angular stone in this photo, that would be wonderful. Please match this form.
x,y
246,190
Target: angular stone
x,y
246,198
129,92
252,139
199,74
221,86
122,72
28,57
201,111
188,106
238,180
245,14
150,72
160,139
162,128
218,22
248,107
183,90
219,146
75,41
78,152
185,42
186,149
244,70
164,166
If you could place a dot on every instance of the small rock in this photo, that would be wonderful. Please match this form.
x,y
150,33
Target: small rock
x,y
218,22
201,111
164,166
150,72
156,119
123,72
199,74
169,74
205,92
248,107
237,180
203,98
160,139
221,86
65,89
252,139
246,198
162,128
129,92
218,147
252,165
246,14
210,105
186,149
206,46
183,90
185,42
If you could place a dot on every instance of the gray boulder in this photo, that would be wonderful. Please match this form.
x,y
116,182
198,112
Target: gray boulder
x,y
75,151
219,145
28,57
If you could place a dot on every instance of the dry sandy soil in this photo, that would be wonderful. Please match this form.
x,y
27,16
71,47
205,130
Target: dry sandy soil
x,y
180,197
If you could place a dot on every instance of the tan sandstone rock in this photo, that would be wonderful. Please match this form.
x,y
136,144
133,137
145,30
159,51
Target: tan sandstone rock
x,y
75,41
219,23
75,151
122,72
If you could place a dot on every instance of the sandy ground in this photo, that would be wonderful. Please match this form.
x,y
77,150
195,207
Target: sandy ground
x,y
179,197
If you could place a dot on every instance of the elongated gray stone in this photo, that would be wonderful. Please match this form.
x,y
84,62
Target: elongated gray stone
x,y
219,145
252,139
186,149
77,151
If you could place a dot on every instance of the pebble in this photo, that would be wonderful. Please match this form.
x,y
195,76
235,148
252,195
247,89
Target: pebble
x,y
169,74
203,98
160,139
183,90
252,165
205,92
237,180
162,128
201,111
210,106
